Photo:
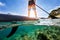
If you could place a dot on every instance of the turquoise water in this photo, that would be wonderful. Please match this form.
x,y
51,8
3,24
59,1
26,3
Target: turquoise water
x,y
31,32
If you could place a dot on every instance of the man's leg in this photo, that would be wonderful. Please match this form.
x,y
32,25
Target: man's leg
x,y
29,8
34,8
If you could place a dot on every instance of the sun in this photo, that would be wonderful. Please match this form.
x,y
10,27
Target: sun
x,y
32,13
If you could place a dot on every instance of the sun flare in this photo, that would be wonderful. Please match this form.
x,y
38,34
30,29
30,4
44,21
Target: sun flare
x,y
32,13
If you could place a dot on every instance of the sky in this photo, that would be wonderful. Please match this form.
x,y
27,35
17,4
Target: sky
x,y
20,7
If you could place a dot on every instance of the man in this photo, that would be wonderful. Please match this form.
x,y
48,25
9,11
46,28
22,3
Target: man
x,y
31,4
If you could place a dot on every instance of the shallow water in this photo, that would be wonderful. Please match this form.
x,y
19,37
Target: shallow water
x,y
31,32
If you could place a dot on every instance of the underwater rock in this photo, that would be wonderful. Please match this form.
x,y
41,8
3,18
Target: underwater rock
x,y
42,37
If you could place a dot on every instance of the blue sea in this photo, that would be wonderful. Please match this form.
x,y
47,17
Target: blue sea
x,y
29,32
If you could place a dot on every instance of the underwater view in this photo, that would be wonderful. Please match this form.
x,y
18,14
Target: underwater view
x,y
28,31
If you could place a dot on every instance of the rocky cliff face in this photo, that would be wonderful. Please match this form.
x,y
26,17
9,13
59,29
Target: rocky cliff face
x,y
55,13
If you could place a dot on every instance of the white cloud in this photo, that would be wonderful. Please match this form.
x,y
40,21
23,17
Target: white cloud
x,y
12,13
2,4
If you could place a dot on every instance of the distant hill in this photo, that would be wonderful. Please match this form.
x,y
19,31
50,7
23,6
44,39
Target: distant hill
x,y
55,13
